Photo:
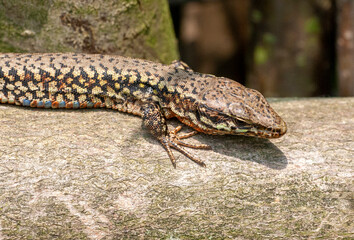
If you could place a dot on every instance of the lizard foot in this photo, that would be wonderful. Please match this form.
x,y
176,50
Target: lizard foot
x,y
173,140
176,138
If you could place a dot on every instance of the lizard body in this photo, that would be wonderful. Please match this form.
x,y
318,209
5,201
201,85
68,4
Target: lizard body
x,y
153,91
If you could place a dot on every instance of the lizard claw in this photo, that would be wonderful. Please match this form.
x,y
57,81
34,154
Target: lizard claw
x,y
173,141
177,139
156,123
168,143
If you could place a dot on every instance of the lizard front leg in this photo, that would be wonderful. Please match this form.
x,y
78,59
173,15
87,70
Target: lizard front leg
x,y
154,120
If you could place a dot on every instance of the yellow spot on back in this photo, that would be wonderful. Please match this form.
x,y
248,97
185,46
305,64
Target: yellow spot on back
x,y
108,102
110,92
64,70
90,74
179,89
23,89
153,81
69,96
170,89
52,89
10,87
161,85
76,73
126,91
82,98
103,82
144,78
51,72
37,77
96,90
79,89
137,93
155,98
29,95
60,97
32,86
115,77
132,79
40,94
81,80
20,72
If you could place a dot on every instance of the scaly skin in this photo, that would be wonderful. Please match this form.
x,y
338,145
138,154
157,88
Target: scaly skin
x,y
153,91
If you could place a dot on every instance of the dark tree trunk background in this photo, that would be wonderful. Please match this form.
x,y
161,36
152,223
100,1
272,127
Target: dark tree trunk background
x,y
292,48
345,47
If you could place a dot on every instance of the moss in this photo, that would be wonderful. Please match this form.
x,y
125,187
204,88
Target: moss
x,y
9,31
27,14
301,60
256,16
133,28
269,38
19,17
86,11
312,25
6,47
162,38
261,55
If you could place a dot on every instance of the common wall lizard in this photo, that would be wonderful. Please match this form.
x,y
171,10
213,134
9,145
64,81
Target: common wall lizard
x,y
153,91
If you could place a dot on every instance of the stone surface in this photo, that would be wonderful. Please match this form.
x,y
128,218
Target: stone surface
x,y
96,174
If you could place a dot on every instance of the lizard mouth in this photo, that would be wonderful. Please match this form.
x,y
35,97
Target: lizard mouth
x,y
261,131
267,132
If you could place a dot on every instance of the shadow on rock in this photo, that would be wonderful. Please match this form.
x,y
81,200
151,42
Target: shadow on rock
x,y
253,149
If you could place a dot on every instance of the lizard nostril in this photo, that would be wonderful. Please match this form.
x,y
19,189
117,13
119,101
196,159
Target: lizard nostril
x,y
282,128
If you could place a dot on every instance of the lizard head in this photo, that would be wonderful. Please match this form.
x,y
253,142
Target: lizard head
x,y
227,107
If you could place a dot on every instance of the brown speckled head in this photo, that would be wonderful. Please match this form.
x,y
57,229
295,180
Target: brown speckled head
x,y
227,107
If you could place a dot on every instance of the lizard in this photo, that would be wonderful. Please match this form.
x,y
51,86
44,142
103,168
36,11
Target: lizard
x,y
153,91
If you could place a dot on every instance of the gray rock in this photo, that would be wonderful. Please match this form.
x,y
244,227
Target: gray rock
x,y
97,174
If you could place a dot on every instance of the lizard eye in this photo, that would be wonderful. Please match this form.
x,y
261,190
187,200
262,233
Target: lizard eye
x,y
242,121
241,124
